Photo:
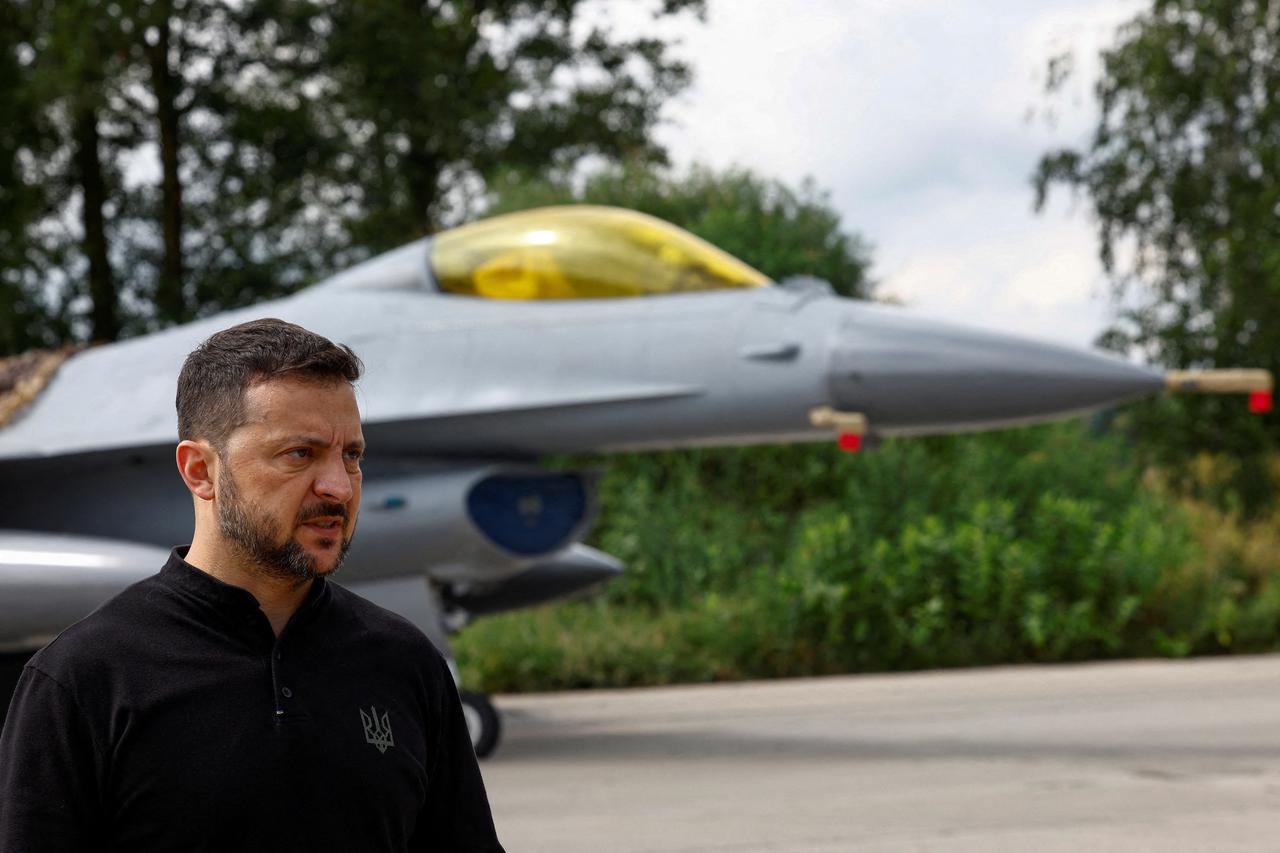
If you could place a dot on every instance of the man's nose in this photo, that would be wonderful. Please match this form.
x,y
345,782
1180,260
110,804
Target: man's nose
x,y
333,481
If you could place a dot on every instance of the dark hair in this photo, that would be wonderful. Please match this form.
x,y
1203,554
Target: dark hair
x,y
217,373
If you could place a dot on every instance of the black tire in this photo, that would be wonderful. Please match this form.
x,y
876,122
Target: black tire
x,y
483,721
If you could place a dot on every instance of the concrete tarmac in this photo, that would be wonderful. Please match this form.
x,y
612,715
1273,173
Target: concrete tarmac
x,y
1148,755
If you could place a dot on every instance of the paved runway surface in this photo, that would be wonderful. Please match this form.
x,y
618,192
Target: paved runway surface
x,y
1129,756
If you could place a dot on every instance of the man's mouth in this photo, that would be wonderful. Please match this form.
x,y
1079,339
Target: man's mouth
x,y
324,523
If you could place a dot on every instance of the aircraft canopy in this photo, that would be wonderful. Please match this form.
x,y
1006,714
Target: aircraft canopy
x,y
581,252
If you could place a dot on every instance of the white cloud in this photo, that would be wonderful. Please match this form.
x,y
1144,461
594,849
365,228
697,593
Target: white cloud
x,y
915,116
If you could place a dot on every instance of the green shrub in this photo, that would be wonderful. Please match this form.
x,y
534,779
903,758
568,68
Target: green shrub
x,y
1041,544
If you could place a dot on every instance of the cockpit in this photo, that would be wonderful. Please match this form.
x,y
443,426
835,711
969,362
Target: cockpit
x,y
581,252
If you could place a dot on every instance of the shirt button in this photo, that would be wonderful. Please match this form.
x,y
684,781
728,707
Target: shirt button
x,y
286,692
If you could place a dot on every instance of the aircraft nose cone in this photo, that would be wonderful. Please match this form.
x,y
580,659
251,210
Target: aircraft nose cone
x,y
912,376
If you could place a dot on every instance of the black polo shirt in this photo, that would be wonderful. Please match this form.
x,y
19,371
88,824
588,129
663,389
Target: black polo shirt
x,y
172,718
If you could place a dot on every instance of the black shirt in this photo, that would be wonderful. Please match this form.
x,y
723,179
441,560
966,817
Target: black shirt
x,y
172,718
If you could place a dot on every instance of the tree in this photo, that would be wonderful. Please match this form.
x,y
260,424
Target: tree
x,y
166,159
59,171
20,201
779,230
1183,176
438,98
99,250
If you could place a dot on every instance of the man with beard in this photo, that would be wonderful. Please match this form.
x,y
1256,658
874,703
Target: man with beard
x,y
237,700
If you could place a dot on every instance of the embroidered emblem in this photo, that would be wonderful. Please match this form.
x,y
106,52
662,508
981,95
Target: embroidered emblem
x,y
377,730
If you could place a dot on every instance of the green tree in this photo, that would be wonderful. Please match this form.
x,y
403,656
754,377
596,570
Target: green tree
x,y
96,248
165,159
438,98
779,230
1183,176
59,148
20,201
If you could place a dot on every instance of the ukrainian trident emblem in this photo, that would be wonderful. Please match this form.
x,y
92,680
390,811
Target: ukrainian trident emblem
x,y
377,730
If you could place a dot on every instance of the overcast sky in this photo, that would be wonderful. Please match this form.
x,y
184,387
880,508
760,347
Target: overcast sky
x,y
915,116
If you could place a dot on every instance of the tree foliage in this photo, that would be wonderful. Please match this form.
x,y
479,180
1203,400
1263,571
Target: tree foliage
x,y
439,102
779,230
165,159
109,95
1183,176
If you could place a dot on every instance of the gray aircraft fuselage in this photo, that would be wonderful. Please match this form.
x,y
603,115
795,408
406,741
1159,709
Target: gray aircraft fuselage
x,y
461,396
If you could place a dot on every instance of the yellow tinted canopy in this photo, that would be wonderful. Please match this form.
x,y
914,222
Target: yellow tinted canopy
x,y
581,252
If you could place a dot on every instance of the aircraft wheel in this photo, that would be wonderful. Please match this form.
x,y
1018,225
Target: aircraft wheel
x,y
483,721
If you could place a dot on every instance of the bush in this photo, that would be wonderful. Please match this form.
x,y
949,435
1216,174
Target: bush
x,y
1040,544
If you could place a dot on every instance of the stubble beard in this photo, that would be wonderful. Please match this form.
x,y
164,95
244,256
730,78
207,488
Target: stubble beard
x,y
252,532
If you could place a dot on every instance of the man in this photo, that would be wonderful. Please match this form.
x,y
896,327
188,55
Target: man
x,y
237,700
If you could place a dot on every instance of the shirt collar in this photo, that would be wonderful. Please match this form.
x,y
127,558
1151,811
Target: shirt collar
x,y
190,581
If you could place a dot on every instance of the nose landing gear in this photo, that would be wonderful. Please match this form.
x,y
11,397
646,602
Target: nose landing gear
x,y
483,721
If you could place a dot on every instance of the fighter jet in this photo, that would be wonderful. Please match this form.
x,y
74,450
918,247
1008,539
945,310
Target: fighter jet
x,y
563,330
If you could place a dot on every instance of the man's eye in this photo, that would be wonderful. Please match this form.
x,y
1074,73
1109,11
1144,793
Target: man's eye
x,y
355,455
300,452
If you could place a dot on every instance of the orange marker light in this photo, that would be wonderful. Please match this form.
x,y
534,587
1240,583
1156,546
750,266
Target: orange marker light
x,y
849,442
1260,402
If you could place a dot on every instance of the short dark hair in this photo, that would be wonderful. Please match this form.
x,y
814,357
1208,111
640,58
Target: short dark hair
x,y
217,373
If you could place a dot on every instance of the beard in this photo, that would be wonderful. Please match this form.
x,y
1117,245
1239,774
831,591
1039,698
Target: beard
x,y
253,532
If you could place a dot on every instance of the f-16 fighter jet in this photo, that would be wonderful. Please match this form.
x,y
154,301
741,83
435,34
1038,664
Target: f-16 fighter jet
x,y
573,329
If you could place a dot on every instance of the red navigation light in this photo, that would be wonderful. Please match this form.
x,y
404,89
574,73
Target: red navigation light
x,y
1260,402
849,442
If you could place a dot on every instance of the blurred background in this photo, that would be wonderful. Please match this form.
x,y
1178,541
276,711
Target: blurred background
x,y
1093,173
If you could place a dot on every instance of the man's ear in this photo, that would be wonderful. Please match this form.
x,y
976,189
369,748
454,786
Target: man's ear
x,y
198,465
